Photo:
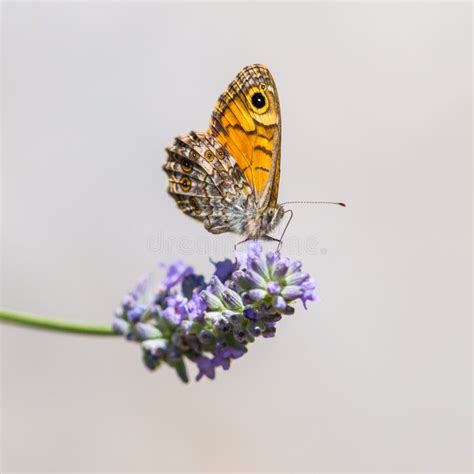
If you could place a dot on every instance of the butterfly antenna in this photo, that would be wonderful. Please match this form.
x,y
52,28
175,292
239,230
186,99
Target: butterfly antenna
x,y
315,202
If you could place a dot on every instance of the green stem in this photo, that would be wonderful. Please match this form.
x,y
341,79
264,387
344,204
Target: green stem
x,y
52,325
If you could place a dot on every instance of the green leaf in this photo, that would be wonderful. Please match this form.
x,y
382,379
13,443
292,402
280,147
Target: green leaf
x,y
181,371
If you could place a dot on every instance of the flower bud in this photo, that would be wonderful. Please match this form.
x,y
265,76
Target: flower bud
x,y
255,330
205,337
308,285
150,361
223,325
180,341
234,317
240,334
217,286
255,280
173,354
251,314
147,331
241,280
281,268
271,258
213,302
269,331
155,346
120,326
296,278
265,307
271,318
291,292
259,266
128,301
294,266
256,294
219,321
273,288
232,299
136,313
246,299
289,310
279,303
192,341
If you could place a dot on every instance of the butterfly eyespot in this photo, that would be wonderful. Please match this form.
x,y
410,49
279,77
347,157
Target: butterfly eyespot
x,y
186,166
195,205
263,86
209,155
258,100
185,184
220,153
194,155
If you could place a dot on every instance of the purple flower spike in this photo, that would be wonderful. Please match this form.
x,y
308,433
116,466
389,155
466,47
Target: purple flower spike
x,y
189,321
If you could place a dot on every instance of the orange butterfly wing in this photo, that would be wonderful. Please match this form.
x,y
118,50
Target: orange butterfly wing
x,y
246,121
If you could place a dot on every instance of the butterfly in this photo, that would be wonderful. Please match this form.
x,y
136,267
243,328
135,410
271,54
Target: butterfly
x,y
228,177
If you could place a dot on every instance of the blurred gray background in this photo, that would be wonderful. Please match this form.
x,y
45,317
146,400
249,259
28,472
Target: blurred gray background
x,y
376,108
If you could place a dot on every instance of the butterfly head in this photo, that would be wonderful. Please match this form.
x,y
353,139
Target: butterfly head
x,y
270,218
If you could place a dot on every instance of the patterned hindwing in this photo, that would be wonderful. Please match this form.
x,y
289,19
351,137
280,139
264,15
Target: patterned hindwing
x,y
207,184
247,122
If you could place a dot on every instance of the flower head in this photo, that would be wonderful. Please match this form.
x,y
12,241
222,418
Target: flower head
x,y
211,324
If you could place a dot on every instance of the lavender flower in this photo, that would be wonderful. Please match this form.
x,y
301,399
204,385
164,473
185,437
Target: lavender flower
x,y
211,324
176,273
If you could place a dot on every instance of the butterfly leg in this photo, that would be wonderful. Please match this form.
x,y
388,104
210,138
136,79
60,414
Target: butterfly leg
x,y
284,230
273,239
269,237
241,242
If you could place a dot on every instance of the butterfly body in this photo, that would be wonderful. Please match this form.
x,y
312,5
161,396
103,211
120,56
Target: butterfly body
x,y
228,177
